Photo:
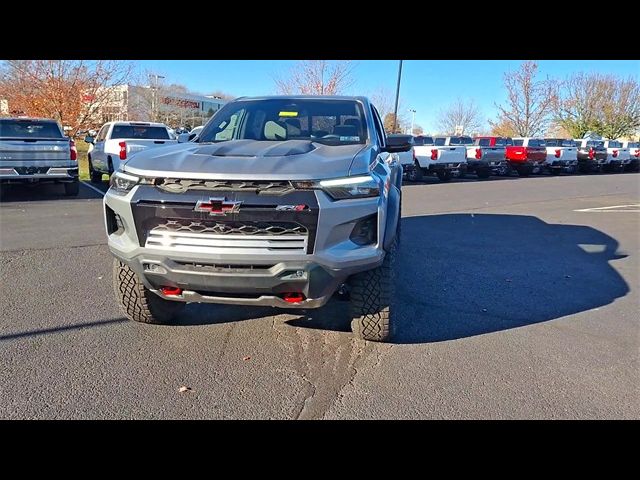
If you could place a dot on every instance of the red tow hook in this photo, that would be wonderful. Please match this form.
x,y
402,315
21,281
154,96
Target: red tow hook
x,y
293,297
171,291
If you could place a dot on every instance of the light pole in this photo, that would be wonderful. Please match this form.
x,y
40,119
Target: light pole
x,y
154,89
395,110
413,118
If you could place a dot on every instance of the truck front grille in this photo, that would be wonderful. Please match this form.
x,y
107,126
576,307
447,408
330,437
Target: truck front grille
x,y
232,228
187,241
178,185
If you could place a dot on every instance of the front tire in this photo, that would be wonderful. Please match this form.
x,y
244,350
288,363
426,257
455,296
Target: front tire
x,y
415,174
96,175
137,302
371,293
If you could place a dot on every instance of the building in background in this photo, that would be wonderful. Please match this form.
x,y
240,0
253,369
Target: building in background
x,y
168,104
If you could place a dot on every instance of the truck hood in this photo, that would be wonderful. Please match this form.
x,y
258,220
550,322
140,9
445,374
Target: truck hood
x,y
251,160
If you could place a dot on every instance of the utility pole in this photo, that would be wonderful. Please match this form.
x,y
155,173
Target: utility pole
x,y
413,118
395,110
154,89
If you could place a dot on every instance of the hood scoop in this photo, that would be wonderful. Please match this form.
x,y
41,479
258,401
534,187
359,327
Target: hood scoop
x,y
255,148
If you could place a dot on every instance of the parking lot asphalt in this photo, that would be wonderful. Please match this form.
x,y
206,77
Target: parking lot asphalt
x,y
517,298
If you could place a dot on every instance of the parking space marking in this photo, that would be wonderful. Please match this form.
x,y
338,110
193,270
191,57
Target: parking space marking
x,y
95,189
633,208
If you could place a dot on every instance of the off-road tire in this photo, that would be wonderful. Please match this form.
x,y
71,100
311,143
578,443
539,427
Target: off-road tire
x,y
370,296
137,302
445,176
72,189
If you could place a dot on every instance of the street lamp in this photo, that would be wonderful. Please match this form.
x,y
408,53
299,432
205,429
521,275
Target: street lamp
x,y
413,118
395,110
154,89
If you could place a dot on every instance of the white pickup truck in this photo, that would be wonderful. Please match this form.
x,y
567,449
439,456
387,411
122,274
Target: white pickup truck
x,y
634,156
562,155
442,156
617,156
117,141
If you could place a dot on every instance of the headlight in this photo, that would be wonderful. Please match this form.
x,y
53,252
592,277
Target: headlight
x,y
123,182
348,187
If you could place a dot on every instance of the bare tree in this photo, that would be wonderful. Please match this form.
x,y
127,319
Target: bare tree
x,y
460,114
604,104
503,128
317,77
384,101
69,91
417,130
528,108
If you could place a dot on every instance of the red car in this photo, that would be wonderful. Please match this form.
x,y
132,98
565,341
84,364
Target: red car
x,y
526,155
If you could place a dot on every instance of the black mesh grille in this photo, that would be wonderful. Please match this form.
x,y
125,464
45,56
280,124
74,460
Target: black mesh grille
x,y
232,228
178,185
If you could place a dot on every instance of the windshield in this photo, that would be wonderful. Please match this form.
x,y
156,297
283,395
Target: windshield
x,y
332,122
440,141
421,141
140,131
19,128
595,143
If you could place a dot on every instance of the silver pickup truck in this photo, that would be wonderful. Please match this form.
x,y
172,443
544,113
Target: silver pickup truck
x,y
280,201
36,151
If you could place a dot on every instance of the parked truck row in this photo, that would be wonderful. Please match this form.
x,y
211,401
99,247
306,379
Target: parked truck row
x,y
449,157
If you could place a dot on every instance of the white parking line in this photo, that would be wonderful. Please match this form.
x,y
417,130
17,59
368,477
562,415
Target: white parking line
x,y
93,188
613,209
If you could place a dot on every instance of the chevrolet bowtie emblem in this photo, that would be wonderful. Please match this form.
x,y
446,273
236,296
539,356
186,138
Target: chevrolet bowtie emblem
x,y
217,206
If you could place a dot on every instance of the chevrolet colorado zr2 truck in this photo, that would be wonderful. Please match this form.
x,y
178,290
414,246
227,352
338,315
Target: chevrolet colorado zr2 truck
x,y
280,201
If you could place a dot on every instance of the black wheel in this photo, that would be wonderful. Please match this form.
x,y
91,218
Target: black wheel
x,y
415,174
445,176
483,173
72,189
370,297
137,302
110,166
96,176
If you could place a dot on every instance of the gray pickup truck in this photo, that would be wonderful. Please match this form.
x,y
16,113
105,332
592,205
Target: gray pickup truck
x,y
280,201
35,151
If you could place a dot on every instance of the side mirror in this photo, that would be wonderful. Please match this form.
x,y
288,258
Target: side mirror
x,y
89,139
398,143
183,138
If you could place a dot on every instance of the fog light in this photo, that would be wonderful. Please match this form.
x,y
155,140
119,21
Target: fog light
x,y
153,268
365,231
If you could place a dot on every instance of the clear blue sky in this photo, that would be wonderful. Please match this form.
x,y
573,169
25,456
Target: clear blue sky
x,y
427,85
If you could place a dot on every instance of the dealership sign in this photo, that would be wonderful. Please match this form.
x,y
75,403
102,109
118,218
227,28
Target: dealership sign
x,y
181,102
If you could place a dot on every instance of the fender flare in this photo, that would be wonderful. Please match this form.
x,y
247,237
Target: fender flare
x,y
393,217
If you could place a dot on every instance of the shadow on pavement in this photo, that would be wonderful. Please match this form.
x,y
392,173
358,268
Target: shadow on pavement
x,y
64,328
44,192
460,275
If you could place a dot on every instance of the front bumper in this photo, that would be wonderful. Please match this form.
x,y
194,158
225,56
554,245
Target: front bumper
x,y
242,274
37,174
